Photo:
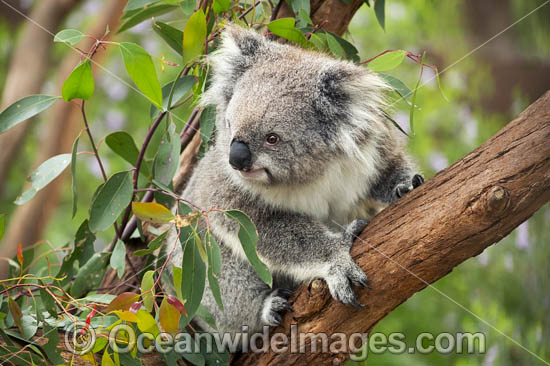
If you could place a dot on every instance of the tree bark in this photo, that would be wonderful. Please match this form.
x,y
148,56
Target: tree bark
x,y
27,72
423,236
64,120
331,15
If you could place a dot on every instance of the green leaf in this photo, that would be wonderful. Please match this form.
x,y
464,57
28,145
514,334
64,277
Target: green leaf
x,y
43,175
249,238
379,10
106,359
136,4
16,314
206,315
80,84
351,52
123,144
148,290
183,86
214,255
90,275
152,246
207,124
137,16
304,17
2,225
166,161
319,41
70,36
335,47
48,302
413,100
214,267
387,61
220,6
397,85
139,65
110,201
118,258
176,276
194,36
193,273
284,27
74,186
50,349
146,323
188,6
172,36
24,109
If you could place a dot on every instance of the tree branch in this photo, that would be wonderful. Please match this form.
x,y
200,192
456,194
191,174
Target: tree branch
x,y
422,237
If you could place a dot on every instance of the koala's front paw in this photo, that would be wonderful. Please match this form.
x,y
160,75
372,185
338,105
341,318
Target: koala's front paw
x,y
404,188
275,303
340,277
354,229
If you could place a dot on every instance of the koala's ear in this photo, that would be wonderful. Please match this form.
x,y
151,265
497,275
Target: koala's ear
x,y
237,52
240,42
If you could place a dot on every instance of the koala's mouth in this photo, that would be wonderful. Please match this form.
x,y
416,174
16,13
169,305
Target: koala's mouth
x,y
257,173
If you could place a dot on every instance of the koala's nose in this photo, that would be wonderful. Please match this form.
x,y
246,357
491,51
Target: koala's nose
x,y
240,157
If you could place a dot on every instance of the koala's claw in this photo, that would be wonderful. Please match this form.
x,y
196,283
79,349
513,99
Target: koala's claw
x,y
340,278
403,189
417,180
275,304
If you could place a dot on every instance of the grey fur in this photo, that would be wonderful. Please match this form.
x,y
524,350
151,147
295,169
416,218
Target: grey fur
x,y
338,160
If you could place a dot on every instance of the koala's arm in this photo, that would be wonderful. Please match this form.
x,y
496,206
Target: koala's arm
x,y
304,249
398,178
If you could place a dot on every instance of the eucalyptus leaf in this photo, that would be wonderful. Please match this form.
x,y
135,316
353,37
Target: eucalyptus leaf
x,y
24,109
90,274
70,36
249,239
387,61
152,246
80,83
74,186
118,258
43,175
110,201
139,65
136,4
194,36
166,161
172,36
193,273
380,11
137,16
284,27
148,290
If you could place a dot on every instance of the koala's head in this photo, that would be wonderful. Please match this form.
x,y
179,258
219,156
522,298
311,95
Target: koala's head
x,y
285,114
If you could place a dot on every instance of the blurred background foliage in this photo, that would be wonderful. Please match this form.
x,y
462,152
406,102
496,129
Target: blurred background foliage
x,y
508,285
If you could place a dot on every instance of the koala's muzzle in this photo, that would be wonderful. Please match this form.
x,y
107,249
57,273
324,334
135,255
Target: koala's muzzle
x,y
240,157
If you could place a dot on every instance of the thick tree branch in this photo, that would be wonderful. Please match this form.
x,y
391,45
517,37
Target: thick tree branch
x,y
422,237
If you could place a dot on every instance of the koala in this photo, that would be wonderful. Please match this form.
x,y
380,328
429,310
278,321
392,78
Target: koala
x,y
303,147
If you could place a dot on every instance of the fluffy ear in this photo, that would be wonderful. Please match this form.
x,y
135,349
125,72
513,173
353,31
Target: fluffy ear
x,y
238,50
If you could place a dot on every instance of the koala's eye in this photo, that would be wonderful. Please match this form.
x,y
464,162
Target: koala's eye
x,y
272,139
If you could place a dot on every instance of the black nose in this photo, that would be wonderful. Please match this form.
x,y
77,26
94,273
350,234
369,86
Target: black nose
x,y
239,156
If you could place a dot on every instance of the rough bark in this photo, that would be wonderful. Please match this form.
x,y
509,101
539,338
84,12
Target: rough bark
x,y
331,15
422,237
27,71
64,121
